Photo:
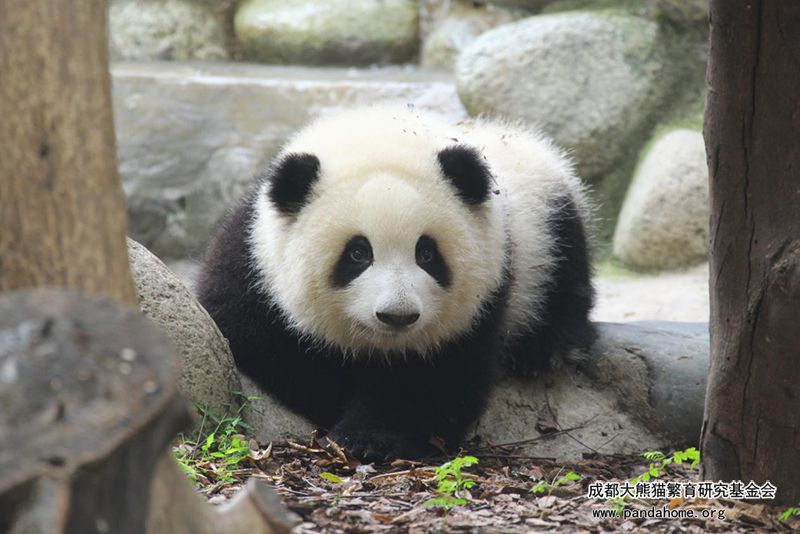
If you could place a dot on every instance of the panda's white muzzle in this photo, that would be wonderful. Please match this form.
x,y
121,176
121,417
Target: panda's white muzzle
x,y
391,299
398,307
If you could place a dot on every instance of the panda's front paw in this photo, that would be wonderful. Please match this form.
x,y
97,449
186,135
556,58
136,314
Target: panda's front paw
x,y
378,445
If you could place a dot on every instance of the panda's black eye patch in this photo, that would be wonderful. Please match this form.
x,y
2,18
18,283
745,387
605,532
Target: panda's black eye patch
x,y
354,260
431,261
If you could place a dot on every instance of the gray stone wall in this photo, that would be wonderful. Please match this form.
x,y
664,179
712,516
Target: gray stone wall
x,y
604,78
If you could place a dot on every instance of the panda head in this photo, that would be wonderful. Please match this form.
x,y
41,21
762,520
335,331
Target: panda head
x,y
379,255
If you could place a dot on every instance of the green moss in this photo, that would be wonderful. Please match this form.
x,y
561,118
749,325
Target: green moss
x,y
611,267
636,7
689,123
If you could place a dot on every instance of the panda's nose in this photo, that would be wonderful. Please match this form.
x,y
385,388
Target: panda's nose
x,y
397,320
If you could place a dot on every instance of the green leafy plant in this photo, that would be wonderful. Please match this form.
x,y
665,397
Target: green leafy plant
x,y
657,468
450,482
659,462
792,511
543,486
330,477
218,448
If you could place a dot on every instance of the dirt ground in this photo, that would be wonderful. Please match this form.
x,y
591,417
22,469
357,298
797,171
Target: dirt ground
x,y
333,493
669,296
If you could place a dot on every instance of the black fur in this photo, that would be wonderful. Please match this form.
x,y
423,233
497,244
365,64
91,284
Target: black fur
x,y
465,169
291,181
436,266
564,324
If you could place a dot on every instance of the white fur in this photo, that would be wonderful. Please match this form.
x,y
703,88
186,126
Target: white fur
x,y
380,178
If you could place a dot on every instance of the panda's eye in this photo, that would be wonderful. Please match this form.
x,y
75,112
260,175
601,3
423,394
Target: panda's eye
x,y
359,254
425,255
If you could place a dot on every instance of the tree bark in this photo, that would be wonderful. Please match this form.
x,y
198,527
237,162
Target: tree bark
x,y
62,214
751,429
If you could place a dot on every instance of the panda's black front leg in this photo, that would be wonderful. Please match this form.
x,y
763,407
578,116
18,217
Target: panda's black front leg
x,y
399,409
375,434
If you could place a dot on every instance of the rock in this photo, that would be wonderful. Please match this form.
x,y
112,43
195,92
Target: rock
x,y
670,400
186,270
684,11
637,7
590,80
450,26
323,32
208,375
664,219
646,392
530,5
167,29
191,138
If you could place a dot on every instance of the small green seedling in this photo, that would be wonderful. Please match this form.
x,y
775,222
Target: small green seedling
x,y
543,486
330,477
792,511
218,453
658,463
451,482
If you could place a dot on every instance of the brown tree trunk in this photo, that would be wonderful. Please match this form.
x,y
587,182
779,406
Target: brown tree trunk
x,y
62,214
751,429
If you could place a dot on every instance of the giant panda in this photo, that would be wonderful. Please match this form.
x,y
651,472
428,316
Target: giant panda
x,y
389,268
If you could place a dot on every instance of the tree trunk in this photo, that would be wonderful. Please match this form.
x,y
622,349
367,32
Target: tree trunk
x,y
89,409
751,429
62,214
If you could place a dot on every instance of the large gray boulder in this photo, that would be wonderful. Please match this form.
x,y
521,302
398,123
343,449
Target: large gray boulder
x,y
591,80
191,138
530,5
684,11
323,32
664,219
168,29
208,376
452,25
644,390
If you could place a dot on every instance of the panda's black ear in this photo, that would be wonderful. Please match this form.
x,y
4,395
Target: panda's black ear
x,y
291,180
467,171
